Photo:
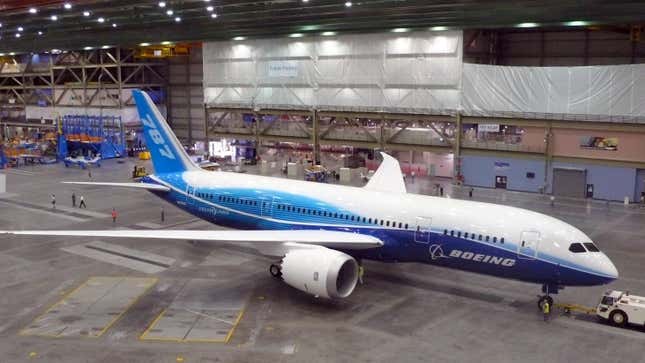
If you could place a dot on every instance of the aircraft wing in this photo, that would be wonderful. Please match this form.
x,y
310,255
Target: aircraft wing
x,y
270,242
148,186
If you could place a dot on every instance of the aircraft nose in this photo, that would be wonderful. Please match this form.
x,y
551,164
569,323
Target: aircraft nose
x,y
607,268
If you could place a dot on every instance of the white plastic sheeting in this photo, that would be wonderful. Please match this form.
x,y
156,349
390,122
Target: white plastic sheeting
x,y
608,93
394,72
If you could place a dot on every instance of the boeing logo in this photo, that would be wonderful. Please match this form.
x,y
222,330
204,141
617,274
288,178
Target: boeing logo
x,y
436,252
478,257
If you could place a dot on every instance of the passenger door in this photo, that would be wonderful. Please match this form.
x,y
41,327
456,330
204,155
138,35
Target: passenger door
x,y
190,194
422,232
528,246
266,207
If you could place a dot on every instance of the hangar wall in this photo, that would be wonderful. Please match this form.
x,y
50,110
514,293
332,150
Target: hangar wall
x,y
417,72
609,182
186,96
481,171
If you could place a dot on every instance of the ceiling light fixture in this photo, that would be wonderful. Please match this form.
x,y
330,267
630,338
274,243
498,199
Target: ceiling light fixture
x,y
144,44
239,38
177,19
87,48
296,35
1,54
100,20
67,6
400,30
40,32
105,47
86,13
576,23
114,25
328,34
169,12
527,25
165,42
438,28
20,28
54,17
209,8
348,4
17,35
12,53
162,4
213,15
33,10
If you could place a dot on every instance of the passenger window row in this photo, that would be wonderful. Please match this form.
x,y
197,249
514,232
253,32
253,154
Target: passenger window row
x,y
473,236
336,215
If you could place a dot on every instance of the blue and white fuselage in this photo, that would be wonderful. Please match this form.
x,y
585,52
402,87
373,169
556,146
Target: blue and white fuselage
x,y
480,237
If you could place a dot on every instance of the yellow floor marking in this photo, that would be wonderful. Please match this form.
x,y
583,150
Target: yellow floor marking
x,y
32,354
144,335
180,359
150,281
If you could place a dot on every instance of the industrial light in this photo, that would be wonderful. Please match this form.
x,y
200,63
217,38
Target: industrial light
x,y
169,12
576,23
20,29
438,28
213,15
0,25
400,30
12,53
239,38
105,47
177,19
17,35
296,35
165,42
54,17
209,8
40,32
56,51
1,54
162,4
207,1
33,10
86,13
348,4
114,25
328,34
87,48
67,6
100,20
527,25
305,1
144,44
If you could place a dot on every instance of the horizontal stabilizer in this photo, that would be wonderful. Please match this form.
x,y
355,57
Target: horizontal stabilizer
x,y
270,242
147,186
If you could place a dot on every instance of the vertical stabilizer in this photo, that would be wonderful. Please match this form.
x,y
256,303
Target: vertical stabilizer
x,y
167,153
388,177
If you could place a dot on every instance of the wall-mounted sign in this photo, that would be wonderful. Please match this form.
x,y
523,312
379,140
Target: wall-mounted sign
x,y
502,165
287,69
599,143
488,128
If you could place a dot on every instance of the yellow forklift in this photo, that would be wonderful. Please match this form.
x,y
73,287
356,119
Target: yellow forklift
x,y
139,172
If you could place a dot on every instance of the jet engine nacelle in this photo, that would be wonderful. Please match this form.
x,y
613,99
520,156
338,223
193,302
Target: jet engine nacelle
x,y
321,272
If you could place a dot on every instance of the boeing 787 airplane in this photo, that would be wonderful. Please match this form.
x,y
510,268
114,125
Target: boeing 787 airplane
x,y
319,233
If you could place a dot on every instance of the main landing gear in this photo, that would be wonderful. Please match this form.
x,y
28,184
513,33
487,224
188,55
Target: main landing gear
x,y
275,270
547,289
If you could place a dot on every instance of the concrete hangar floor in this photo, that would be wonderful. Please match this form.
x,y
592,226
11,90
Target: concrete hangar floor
x,y
84,300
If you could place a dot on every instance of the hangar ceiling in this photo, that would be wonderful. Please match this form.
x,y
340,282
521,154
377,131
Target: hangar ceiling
x,y
126,22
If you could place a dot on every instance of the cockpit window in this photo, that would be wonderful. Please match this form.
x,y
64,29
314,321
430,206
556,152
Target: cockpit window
x,y
577,248
606,300
591,247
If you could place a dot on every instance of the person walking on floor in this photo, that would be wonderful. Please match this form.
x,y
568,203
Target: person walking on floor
x,y
73,199
53,201
470,193
82,203
114,215
163,215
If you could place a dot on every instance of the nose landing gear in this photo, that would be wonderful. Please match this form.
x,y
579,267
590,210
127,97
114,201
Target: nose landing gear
x,y
547,289
275,270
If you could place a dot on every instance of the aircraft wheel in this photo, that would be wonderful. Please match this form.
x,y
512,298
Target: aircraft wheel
x,y
541,301
274,270
618,318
